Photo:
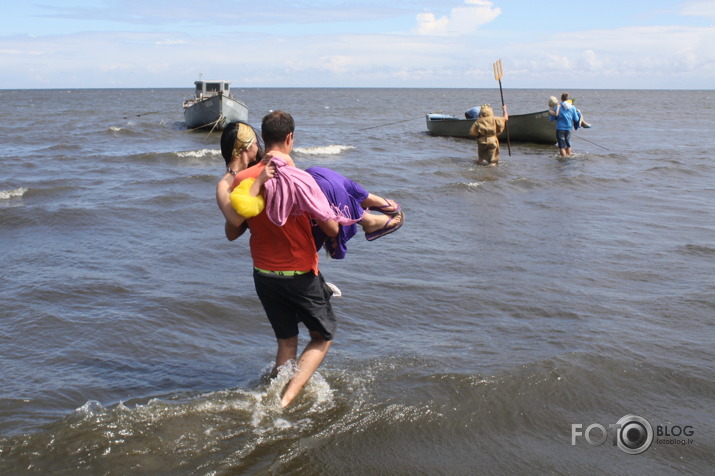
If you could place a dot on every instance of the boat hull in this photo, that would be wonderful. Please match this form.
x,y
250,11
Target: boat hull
x,y
534,127
214,112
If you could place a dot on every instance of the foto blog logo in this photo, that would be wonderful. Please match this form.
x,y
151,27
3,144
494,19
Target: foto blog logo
x,y
632,434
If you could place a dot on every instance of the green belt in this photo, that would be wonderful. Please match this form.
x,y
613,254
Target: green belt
x,y
281,273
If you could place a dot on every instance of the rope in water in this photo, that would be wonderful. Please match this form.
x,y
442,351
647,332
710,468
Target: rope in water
x,y
591,142
215,123
389,124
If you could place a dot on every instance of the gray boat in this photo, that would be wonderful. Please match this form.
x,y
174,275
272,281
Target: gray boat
x,y
533,127
213,106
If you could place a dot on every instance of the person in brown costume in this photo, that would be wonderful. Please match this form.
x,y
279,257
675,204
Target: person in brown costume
x,y
487,127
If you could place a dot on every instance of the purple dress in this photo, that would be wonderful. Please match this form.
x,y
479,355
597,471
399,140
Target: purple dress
x,y
347,196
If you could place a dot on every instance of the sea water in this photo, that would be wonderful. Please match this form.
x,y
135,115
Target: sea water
x,y
518,306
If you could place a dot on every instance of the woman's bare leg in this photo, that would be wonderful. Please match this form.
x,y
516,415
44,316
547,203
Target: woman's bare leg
x,y
376,221
385,205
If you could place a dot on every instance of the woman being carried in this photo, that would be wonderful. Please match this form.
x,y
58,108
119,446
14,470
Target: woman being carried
x,y
239,148
554,107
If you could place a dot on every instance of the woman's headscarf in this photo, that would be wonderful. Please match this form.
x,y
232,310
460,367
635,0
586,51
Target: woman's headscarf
x,y
245,136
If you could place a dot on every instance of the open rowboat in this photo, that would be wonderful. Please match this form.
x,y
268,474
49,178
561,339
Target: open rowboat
x,y
533,127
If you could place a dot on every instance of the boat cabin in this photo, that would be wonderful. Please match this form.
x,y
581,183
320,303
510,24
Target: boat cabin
x,y
207,89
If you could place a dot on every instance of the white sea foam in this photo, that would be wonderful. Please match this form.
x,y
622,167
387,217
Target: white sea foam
x,y
8,194
257,408
324,150
197,154
91,407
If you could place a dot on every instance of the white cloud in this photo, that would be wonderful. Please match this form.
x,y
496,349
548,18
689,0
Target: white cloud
x,y
430,55
699,9
592,61
20,52
461,20
688,59
169,42
659,56
337,63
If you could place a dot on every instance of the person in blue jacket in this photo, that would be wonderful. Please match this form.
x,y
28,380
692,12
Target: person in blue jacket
x,y
567,118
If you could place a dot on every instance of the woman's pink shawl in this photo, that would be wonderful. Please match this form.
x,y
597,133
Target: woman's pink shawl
x,y
293,191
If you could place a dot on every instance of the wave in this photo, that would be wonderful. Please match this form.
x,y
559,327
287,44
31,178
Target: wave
x,y
698,250
199,154
61,147
188,155
404,412
198,425
9,194
123,130
324,150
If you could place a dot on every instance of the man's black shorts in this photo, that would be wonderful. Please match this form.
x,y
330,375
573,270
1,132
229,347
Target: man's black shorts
x,y
288,300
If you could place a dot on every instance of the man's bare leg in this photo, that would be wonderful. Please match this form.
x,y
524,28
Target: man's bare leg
x,y
287,350
310,359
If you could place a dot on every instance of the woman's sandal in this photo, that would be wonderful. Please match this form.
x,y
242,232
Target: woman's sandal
x,y
396,208
387,229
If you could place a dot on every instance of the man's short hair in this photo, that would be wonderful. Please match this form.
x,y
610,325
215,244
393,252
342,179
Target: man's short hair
x,y
276,126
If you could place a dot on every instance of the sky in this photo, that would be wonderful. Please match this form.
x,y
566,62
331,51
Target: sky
x,y
604,44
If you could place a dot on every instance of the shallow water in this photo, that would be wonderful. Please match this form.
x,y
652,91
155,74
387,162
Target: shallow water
x,y
515,302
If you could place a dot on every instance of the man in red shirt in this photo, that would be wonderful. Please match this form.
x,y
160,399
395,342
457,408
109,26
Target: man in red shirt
x,y
286,275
